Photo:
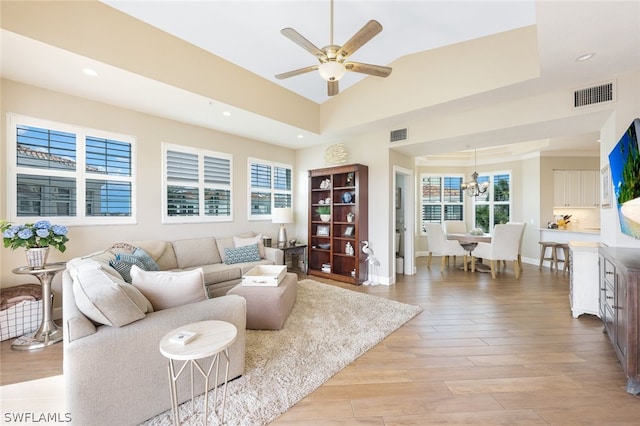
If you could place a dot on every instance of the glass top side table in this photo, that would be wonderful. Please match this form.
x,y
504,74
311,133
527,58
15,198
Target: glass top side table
x,y
48,333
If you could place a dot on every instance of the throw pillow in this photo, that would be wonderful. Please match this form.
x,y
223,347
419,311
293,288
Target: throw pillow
x,y
124,267
168,289
239,242
122,248
103,298
147,261
123,262
241,254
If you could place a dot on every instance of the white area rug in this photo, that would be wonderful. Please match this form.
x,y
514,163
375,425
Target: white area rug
x,y
328,328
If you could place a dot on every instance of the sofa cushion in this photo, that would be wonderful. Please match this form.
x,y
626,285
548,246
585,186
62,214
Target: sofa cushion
x,y
168,289
104,298
220,272
196,252
241,254
240,242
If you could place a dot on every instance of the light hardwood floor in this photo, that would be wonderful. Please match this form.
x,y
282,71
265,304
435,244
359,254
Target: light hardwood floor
x,y
484,351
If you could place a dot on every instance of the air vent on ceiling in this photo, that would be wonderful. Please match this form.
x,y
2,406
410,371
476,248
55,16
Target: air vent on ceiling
x,y
594,95
398,135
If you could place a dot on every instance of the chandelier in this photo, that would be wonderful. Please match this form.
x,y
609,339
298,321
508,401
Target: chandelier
x,y
473,188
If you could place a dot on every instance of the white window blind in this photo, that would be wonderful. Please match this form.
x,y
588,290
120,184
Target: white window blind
x,y
197,185
270,186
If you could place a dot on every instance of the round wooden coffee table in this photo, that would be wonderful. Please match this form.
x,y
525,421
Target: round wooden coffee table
x,y
212,339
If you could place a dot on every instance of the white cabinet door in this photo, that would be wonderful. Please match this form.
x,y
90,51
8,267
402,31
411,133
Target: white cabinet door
x,y
559,178
584,285
573,189
590,188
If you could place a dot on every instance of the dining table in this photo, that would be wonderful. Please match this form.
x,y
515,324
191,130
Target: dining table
x,y
469,242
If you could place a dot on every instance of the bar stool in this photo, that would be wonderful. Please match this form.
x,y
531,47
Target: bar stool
x,y
553,260
565,251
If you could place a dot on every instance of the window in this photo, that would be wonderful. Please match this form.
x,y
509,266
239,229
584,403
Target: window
x,y
495,205
197,185
269,187
442,199
69,174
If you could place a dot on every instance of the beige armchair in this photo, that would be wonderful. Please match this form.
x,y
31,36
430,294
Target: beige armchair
x,y
440,246
504,245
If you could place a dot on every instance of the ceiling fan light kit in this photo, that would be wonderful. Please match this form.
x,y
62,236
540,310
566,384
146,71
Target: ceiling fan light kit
x,y
333,58
332,70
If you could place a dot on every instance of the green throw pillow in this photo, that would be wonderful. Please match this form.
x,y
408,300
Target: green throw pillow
x,y
241,254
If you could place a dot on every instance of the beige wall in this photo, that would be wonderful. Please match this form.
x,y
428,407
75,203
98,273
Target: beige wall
x,y
150,132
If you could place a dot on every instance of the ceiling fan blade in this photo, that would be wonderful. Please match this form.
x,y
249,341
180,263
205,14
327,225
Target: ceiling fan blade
x,y
298,39
332,88
375,70
296,72
365,34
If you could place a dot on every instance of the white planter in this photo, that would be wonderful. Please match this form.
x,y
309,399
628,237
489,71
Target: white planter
x,y
325,217
37,257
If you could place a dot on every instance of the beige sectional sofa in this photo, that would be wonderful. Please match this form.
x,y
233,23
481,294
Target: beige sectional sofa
x,y
113,370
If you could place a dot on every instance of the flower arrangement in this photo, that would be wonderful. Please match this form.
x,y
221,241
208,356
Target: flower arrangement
x,y
34,235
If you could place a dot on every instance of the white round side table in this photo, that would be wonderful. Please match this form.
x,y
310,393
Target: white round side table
x,y
212,339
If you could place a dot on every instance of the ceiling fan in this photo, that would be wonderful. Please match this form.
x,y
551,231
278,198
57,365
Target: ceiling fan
x,y
333,58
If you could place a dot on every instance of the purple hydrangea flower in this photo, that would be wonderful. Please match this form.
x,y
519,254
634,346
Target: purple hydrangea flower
x,y
9,233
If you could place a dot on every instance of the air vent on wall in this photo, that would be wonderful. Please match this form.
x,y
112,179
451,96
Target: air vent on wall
x,y
398,135
593,95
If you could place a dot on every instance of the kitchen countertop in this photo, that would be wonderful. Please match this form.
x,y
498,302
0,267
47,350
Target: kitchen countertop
x,y
593,231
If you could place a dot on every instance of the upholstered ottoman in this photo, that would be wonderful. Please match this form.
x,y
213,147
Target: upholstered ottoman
x,y
269,307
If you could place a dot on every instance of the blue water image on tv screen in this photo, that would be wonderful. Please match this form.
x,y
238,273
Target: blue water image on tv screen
x,y
624,163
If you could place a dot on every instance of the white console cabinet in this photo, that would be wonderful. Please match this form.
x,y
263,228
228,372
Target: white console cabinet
x,y
584,292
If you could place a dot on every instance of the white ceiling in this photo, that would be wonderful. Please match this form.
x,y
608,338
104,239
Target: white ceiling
x,y
247,33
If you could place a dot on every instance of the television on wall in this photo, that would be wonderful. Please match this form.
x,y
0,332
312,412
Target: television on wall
x,y
624,163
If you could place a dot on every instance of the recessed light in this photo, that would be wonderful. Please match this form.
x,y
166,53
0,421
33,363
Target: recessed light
x,y
585,57
226,114
300,136
90,72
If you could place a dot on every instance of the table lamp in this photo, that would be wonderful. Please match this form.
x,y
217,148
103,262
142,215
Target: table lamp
x,y
282,215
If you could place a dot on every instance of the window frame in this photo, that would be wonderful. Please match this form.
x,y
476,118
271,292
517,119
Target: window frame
x,y
273,191
443,203
80,174
491,197
201,185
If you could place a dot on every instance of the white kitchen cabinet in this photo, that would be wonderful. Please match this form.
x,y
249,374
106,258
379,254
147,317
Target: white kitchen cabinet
x,y
584,289
576,188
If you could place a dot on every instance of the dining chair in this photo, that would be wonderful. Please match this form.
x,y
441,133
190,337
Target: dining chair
x,y
440,246
455,227
504,245
524,225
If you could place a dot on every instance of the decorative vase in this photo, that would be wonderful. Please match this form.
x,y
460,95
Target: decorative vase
x,y
325,217
37,257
